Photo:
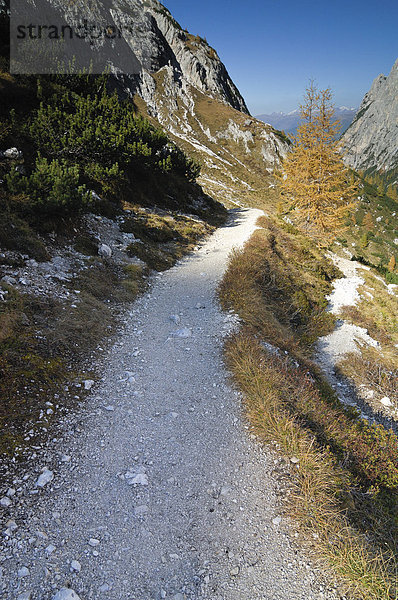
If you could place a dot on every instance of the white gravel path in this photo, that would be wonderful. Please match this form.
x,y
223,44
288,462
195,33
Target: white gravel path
x,y
165,495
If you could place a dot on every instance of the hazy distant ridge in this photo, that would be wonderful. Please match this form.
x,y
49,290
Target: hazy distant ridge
x,y
289,122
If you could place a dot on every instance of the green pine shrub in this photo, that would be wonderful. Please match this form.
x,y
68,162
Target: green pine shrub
x,y
52,187
101,129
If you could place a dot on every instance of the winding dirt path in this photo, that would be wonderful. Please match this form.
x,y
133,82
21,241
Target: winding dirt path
x,y
161,493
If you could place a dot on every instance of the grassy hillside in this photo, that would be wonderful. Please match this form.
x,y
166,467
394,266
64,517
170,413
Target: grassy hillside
x,y
237,154
372,232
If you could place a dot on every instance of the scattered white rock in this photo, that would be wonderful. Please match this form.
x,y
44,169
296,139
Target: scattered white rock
x,y
50,549
95,195
6,502
277,520
129,374
294,460
138,479
23,572
182,333
105,251
93,542
88,384
270,348
235,571
66,594
24,596
175,319
141,510
12,153
8,280
45,478
386,401
109,408
11,527
391,288
75,566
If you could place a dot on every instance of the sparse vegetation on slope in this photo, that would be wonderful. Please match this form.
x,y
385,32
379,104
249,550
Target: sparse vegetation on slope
x,y
372,232
237,154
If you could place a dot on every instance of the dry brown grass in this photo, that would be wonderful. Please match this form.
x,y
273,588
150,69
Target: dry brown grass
x,y
278,285
44,343
164,239
346,487
375,372
324,496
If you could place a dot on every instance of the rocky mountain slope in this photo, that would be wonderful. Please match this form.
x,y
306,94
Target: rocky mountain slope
x,y
371,142
182,85
185,87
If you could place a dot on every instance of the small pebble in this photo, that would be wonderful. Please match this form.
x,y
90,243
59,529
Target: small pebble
x,y
44,478
23,572
75,566
93,542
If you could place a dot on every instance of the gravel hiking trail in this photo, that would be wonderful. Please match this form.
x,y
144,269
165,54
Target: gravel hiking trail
x,y
161,492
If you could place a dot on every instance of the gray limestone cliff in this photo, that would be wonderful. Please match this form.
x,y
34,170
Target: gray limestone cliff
x,y
179,82
371,142
152,39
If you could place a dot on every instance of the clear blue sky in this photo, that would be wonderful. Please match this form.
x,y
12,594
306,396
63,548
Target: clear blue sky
x,y
273,48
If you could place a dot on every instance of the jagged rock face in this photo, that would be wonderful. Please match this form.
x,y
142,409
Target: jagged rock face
x,y
182,85
371,142
200,64
152,36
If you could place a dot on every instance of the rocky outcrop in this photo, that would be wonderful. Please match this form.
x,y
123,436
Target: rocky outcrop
x,y
152,39
179,81
198,62
371,142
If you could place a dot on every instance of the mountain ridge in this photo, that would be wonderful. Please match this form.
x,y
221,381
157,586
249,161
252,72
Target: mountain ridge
x,y
371,142
184,87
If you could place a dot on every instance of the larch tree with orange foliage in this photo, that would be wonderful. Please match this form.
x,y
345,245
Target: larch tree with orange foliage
x,y
320,188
